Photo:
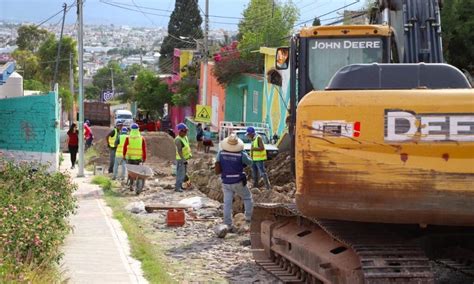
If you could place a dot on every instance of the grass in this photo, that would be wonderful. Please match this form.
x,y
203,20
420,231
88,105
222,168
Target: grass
x,y
90,154
154,267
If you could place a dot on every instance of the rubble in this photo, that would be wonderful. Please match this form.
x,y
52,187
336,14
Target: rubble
x,y
196,252
215,252
136,207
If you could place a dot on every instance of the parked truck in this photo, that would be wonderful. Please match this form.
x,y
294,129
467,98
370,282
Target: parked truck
x,y
98,113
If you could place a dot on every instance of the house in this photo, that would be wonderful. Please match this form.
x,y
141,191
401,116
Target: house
x,y
216,94
181,59
244,98
11,83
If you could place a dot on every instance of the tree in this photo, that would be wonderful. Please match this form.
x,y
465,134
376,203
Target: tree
x,y
186,93
31,37
229,64
265,23
316,22
151,94
28,64
92,92
47,54
34,85
185,21
458,36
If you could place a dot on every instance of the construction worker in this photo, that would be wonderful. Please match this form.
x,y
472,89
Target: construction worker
x,y
259,156
88,136
134,148
119,160
230,163
183,154
111,138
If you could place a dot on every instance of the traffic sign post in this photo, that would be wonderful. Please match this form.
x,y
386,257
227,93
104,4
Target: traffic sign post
x,y
203,113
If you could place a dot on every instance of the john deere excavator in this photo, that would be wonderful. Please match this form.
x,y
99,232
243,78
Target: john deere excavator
x,y
383,144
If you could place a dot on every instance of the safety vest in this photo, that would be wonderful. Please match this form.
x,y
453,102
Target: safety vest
x,y
134,148
232,167
186,148
119,151
112,139
258,155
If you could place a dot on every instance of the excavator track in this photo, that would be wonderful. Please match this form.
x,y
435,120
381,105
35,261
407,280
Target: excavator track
x,y
302,250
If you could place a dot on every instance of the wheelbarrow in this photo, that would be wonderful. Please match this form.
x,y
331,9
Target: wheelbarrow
x,y
138,173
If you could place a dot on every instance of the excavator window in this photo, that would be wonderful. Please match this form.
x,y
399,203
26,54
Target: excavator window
x,y
327,55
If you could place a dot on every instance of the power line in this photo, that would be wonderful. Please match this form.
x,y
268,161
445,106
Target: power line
x,y
144,13
328,13
53,16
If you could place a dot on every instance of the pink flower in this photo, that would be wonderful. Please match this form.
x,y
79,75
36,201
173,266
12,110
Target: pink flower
x,y
37,241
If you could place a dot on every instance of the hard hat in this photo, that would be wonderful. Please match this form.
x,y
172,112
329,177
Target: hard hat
x,y
118,123
250,130
134,126
182,126
124,130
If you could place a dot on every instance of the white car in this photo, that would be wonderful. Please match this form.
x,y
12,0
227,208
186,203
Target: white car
x,y
124,116
272,150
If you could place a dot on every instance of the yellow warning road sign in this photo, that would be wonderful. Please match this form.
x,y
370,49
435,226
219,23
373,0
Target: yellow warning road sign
x,y
203,113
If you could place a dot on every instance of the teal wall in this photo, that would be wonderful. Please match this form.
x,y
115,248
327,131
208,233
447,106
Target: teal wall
x,y
234,100
30,123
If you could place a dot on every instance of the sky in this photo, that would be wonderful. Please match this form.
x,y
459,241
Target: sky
x,y
97,12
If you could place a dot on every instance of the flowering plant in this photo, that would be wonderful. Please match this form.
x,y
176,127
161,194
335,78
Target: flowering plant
x,y
229,64
34,206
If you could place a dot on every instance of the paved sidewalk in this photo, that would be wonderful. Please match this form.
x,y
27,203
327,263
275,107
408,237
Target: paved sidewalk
x,y
97,251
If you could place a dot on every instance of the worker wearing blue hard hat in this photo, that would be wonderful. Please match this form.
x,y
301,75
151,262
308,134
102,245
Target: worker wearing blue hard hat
x,y
119,159
259,156
183,154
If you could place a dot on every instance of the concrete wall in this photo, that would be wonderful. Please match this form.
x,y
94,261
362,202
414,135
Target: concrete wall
x,y
30,130
252,86
276,99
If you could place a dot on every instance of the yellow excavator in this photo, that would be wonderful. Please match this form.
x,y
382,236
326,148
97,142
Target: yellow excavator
x,y
383,145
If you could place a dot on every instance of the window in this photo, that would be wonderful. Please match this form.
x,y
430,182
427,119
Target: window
x,y
255,102
326,56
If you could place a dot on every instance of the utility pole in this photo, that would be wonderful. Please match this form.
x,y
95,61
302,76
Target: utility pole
x,y
80,123
112,75
58,55
71,89
206,50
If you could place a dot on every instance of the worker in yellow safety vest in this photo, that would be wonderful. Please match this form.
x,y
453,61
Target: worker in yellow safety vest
x,y
259,156
134,148
183,154
119,159
111,137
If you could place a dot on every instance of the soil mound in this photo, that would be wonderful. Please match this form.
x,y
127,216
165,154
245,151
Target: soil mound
x,y
279,169
160,146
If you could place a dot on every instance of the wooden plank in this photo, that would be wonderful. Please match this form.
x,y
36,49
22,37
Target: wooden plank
x,y
153,207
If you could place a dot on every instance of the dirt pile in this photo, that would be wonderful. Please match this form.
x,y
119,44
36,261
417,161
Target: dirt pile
x,y
160,146
203,178
279,170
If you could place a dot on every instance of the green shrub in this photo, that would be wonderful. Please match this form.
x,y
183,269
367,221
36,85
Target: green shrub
x,y
34,206
103,182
